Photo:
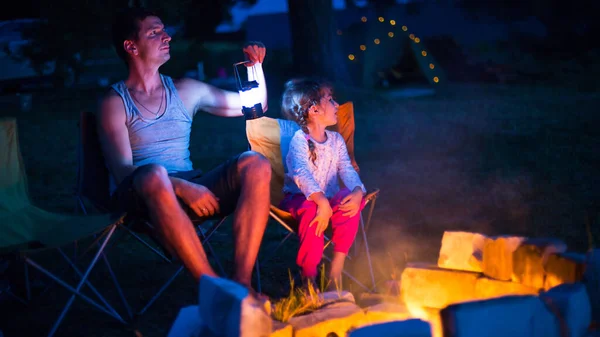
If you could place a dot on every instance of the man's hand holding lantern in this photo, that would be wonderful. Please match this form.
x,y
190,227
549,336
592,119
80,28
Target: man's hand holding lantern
x,y
255,52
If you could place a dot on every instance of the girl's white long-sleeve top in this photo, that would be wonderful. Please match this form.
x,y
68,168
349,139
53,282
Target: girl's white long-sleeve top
x,y
332,162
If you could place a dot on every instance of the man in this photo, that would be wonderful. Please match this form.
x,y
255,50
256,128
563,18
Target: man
x,y
144,127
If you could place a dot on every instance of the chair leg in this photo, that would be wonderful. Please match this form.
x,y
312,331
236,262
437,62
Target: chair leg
x,y
89,284
257,270
212,253
205,241
278,246
162,289
142,241
118,286
71,262
350,276
76,257
5,287
370,215
205,237
363,228
371,205
27,283
80,206
368,253
10,293
90,248
76,291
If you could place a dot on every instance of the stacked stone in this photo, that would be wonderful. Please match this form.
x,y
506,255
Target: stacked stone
x,y
227,310
482,286
504,283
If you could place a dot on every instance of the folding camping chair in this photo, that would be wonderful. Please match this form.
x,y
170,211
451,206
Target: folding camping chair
x,y
271,138
93,190
28,231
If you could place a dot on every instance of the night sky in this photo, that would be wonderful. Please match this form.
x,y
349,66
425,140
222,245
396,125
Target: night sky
x,y
19,9
28,9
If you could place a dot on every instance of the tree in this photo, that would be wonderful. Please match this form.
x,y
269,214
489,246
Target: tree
x,y
63,38
315,50
199,18
76,30
571,26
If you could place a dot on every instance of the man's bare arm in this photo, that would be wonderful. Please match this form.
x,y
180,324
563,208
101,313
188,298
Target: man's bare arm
x,y
197,95
114,137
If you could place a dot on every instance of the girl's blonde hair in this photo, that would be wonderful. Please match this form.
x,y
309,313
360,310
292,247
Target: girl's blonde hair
x,y
298,97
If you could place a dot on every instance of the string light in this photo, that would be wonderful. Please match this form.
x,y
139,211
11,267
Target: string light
x,y
363,47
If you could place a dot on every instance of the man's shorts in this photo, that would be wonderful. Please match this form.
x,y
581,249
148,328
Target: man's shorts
x,y
223,181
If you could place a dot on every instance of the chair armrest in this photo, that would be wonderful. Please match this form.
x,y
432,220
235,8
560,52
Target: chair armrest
x,y
372,195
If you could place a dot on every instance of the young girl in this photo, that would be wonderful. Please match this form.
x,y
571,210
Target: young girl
x,y
316,159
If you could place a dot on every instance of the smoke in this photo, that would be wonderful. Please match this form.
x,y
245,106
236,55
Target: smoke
x,y
437,171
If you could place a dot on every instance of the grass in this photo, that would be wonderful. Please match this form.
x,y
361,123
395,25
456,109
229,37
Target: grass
x,y
299,301
488,158
302,300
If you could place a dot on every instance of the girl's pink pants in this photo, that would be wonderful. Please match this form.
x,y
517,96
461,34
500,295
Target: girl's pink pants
x,y
311,245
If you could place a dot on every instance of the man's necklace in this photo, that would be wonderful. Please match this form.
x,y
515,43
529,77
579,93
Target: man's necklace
x,y
143,106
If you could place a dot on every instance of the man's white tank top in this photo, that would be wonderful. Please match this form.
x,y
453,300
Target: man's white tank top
x,y
165,140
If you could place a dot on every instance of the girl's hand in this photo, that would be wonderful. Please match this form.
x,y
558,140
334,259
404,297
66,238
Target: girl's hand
x,y
351,203
321,220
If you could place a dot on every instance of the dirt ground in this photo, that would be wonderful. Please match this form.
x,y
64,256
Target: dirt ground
x,y
488,158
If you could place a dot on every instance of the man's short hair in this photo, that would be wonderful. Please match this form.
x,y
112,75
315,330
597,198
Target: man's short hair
x,y
126,26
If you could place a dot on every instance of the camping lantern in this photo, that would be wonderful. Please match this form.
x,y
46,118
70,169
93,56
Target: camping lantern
x,y
250,96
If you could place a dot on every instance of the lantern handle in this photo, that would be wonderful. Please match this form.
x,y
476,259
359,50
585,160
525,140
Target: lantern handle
x,y
237,73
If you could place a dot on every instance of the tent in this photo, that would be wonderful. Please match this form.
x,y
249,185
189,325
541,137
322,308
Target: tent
x,y
384,53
